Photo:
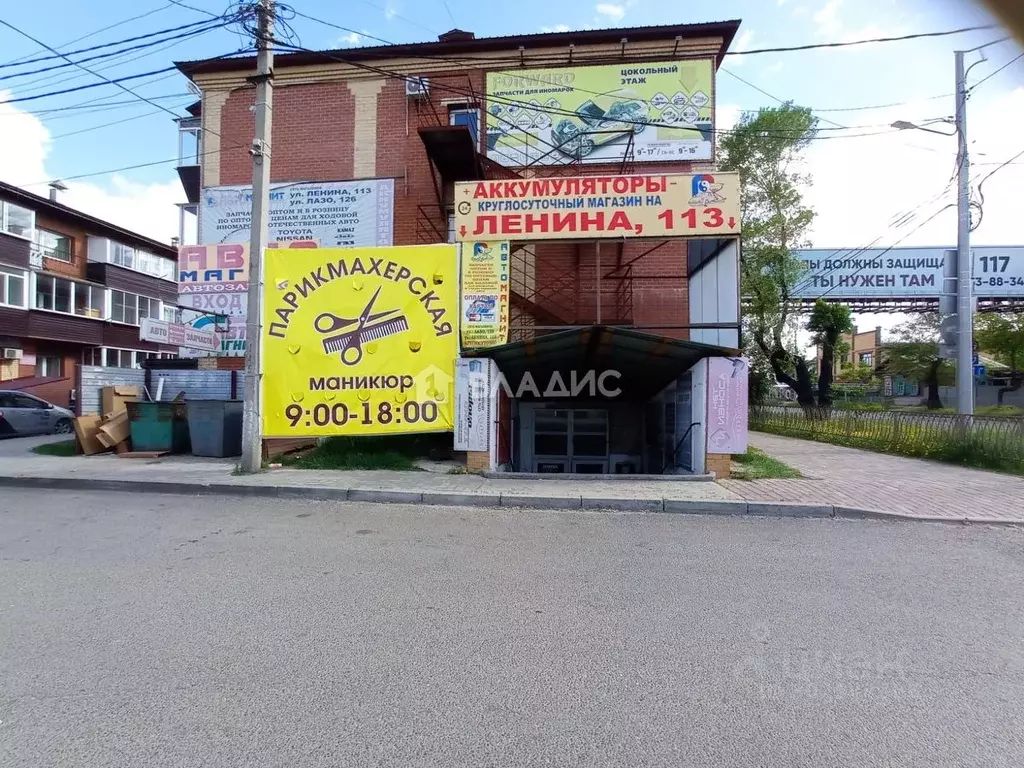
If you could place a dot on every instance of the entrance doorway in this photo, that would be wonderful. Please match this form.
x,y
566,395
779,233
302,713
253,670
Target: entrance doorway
x,y
570,441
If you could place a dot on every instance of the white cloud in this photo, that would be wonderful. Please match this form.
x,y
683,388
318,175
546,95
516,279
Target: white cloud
x,y
390,11
352,38
827,18
862,185
611,11
832,28
741,43
556,28
727,115
144,208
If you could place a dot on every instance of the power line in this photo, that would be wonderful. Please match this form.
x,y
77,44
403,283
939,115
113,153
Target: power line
x,y
87,108
90,49
21,59
508,101
87,86
993,74
121,52
107,125
900,38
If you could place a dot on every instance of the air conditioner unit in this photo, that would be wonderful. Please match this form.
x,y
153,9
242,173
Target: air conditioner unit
x,y
11,353
417,86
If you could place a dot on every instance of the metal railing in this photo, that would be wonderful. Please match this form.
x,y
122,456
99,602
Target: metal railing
x,y
992,443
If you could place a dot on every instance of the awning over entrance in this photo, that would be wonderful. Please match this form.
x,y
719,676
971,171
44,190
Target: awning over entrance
x,y
646,363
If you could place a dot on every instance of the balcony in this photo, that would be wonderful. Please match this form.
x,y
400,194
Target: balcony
x,y
190,148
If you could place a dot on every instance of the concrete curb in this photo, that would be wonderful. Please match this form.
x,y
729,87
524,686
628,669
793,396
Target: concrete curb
x,y
736,507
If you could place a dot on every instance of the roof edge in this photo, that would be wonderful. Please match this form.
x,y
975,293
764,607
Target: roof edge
x,y
60,210
724,29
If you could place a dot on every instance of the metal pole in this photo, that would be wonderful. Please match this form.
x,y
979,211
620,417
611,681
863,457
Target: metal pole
x,y
964,290
252,448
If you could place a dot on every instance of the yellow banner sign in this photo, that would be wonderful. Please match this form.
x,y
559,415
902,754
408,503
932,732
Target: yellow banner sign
x,y
652,111
586,207
484,294
359,341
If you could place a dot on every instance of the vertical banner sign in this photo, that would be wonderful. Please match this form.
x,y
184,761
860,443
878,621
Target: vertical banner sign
x,y
727,405
474,402
484,294
359,341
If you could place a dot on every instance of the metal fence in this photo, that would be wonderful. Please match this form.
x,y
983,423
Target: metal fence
x,y
196,384
993,443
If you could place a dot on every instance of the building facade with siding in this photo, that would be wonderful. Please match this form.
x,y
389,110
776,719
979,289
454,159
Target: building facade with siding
x,y
74,290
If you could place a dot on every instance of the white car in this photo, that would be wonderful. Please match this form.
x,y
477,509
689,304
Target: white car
x,y
25,414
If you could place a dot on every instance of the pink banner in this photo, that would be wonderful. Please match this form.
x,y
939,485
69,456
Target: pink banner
x,y
727,405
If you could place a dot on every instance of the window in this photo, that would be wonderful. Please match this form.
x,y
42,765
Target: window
x,y
53,245
170,314
49,366
866,358
12,288
141,261
59,295
18,400
44,291
467,117
129,358
131,308
189,142
92,356
16,220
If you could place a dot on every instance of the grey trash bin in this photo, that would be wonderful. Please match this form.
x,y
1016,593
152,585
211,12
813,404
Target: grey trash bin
x,y
215,427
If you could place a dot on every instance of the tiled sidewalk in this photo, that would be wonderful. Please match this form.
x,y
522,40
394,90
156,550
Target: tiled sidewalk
x,y
850,477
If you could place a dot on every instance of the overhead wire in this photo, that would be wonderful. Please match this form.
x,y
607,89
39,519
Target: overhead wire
x,y
22,59
118,53
866,41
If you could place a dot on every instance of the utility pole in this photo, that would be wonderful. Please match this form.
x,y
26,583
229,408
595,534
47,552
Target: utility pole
x,y
965,288
252,421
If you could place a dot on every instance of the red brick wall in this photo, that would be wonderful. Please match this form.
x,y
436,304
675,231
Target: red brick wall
x,y
313,139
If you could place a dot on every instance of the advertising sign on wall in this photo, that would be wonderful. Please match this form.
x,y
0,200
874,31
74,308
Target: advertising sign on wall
x,y
177,334
656,205
334,213
474,403
214,280
998,271
485,286
360,341
727,405
588,114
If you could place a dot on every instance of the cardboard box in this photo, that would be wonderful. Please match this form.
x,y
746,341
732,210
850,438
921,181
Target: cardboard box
x,y
112,399
114,431
86,430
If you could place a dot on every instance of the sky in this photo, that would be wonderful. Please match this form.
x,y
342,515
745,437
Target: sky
x,y
861,184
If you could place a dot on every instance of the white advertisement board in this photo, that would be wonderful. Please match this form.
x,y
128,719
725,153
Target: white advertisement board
x,y
475,403
998,271
727,405
177,334
334,213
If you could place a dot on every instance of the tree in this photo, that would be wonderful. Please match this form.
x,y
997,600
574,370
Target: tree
x,y
827,324
915,354
1003,337
765,148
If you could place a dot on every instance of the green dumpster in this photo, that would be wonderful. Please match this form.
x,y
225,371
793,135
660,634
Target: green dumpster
x,y
159,426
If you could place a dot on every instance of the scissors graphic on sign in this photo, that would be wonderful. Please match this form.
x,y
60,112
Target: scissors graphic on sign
x,y
350,342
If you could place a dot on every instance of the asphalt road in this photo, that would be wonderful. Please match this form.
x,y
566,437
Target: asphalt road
x,y
180,631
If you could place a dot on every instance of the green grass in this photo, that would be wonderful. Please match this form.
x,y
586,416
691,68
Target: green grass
x,y
758,465
389,452
63,448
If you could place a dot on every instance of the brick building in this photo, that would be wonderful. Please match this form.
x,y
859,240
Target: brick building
x,y
73,290
421,115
